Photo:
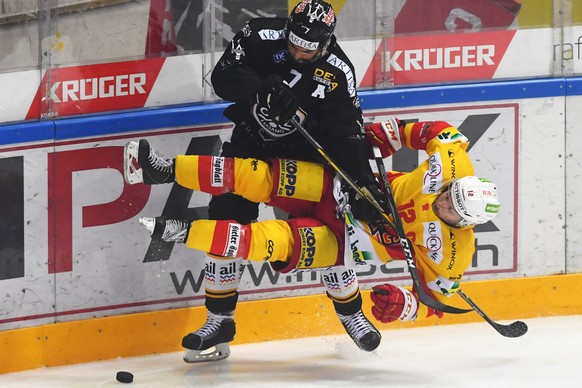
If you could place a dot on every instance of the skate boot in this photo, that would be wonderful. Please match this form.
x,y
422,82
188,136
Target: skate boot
x,y
213,336
143,164
364,334
166,229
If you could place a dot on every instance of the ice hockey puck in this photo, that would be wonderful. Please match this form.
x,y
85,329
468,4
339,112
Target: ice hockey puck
x,y
124,377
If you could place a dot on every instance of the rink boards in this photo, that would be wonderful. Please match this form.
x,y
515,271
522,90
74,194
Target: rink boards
x,y
77,267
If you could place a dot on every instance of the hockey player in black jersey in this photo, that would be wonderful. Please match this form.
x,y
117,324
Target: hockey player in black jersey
x,y
273,70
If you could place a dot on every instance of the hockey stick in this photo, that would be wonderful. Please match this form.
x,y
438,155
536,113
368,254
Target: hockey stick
x,y
362,191
513,330
423,295
404,241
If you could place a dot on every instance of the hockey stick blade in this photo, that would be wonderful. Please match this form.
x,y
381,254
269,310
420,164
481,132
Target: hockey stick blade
x,y
513,330
423,296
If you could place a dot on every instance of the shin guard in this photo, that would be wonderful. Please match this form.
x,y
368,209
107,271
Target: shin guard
x,y
221,280
341,285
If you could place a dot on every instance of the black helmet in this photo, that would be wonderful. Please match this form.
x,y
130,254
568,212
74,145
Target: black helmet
x,y
310,26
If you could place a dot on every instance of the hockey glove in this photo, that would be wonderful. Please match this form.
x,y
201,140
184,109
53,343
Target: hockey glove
x,y
386,135
392,303
362,209
278,99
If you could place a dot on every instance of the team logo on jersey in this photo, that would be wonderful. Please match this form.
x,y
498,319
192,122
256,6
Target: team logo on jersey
x,y
237,49
270,130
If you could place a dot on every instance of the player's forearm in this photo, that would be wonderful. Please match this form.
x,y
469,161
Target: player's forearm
x,y
237,83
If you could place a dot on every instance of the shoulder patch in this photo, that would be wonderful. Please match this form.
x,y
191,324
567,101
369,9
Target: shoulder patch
x,y
246,30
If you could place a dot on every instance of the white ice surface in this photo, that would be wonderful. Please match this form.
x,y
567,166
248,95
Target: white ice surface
x,y
469,355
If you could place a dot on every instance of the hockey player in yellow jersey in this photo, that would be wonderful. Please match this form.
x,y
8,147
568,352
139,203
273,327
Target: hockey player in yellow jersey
x,y
439,203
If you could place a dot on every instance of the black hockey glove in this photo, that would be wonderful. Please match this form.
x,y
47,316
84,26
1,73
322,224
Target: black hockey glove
x,y
363,210
278,99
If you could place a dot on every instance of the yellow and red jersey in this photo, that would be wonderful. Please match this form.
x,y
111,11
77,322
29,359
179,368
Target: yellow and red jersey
x,y
442,253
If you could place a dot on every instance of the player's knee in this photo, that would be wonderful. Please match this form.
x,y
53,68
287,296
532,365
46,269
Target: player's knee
x,y
232,207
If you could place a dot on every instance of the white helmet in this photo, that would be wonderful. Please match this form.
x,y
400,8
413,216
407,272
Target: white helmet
x,y
475,199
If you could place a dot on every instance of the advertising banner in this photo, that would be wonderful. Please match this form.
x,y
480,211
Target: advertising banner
x,y
76,249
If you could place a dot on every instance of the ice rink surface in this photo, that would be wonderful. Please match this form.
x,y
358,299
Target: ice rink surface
x,y
468,355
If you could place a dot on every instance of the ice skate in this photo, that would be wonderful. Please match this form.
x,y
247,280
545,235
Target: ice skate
x,y
361,330
210,342
166,229
143,164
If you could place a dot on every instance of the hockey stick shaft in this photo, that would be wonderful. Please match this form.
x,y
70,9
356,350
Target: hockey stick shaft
x,y
361,191
515,329
424,296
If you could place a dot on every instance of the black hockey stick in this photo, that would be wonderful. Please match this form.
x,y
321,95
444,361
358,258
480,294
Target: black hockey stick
x,y
362,191
513,330
423,295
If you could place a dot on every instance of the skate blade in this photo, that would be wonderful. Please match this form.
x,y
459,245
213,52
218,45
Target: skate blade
x,y
132,172
216,353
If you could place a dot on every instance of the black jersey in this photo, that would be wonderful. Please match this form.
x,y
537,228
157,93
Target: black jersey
x,y
325,89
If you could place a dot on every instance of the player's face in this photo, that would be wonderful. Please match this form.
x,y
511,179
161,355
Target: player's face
x,y
300,54
443,207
